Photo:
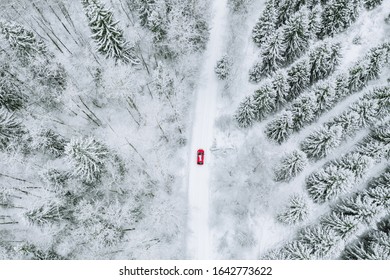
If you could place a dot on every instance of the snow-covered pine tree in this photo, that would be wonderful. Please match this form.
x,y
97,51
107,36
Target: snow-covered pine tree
x,y
10,128
87,157
381,133
50,142
256,73
108,37
367,110
11,97
342,86
280,128
382,95
354,162
298,78
264,100
323,61
319,143
298,250
32,252
145,9
246,112
295,211
359,206
280,87
290,166
52,76
348,121
358,76
296,36
343,226
373,245
371,4
329,182
265,25
272,53
322,240
384,224
373,148
48,213
222,69
379,191
304,111
314,21
23,41
337,16
325,97
284,12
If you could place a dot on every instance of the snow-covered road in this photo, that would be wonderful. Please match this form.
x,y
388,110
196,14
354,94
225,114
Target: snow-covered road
x,y
198,240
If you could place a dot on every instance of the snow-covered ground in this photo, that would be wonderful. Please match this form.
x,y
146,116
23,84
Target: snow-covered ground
x,y
198,241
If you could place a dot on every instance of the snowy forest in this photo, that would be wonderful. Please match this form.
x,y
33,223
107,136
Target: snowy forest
x,y
97,109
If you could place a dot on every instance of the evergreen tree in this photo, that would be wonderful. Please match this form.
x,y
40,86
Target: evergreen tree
x,y
145,9
321,240
280,128
246,112
280,89
382,95
23,41
272,54
319,143
343,226
265,26
323,61
314,21
349,121
371,4
284,12
11,97
298,250
48,213
296,36
295,211
298,78
373,148
108,37
342,86
32,252
378,190
264,100
367,110
359,206
328,183
256,72
87,157
325,97
10,128
290,166
222,69
354,162
50,142
337,16
304,111
358,76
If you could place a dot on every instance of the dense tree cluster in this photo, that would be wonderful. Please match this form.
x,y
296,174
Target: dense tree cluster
x,y
346,217
283,88
339,175
323,96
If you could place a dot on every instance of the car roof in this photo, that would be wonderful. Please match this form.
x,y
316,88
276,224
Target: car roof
x,y
200,151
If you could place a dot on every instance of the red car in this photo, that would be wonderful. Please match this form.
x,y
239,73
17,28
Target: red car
x,y
200,158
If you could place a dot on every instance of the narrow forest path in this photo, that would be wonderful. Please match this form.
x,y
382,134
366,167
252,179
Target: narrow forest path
x,y
199,245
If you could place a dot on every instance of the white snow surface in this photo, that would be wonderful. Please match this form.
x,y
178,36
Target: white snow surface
x,y
198,241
